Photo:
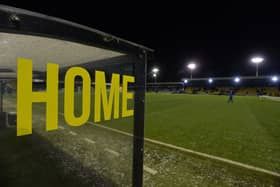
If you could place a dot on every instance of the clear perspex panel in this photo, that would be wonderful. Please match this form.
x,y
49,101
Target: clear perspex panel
x,y
67,113
72,114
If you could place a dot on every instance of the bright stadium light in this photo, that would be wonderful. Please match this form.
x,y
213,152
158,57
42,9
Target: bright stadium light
x,y
191,66
185,81
155,70
257,60
210,80
274,79
237,79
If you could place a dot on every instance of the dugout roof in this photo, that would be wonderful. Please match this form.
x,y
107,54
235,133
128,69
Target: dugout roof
x,y
36,36
46,39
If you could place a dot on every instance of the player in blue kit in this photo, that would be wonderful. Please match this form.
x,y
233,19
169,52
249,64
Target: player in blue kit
x,y
230,99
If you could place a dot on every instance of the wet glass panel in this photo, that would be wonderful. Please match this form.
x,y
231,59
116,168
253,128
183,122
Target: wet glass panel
x,y
89,91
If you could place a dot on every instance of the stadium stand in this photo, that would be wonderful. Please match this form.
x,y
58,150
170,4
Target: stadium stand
x,y
250,86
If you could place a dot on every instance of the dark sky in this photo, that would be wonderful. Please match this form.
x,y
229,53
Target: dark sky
x,y
220,37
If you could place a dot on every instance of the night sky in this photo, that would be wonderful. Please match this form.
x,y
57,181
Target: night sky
x,y
220,37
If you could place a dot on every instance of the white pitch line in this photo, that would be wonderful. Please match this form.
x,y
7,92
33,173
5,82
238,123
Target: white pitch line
x,y
89,140
271,98
220,159
108,128
112,152
228,161
72,133
150,170
61,127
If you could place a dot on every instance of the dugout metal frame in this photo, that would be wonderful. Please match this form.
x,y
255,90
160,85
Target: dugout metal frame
x,y
19,21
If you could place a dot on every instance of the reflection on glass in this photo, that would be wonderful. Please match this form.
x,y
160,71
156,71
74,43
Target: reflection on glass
x,y
84,153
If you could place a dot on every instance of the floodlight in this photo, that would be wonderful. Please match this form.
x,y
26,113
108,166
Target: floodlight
x,y
185,81
155,73
274,79
237,79
192,66
257,60
155,70
210,80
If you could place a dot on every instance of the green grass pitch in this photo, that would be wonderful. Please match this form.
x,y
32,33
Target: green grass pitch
x,y
246,131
